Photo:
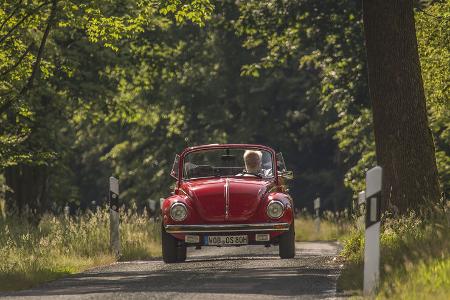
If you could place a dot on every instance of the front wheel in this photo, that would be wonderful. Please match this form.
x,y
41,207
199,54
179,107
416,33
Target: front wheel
x,y
181,253
287,243
170,250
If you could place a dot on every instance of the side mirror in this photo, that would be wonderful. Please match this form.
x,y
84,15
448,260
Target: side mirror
x,y
289,175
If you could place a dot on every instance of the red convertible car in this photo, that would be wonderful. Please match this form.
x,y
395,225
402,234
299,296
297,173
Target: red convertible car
x,y
228,195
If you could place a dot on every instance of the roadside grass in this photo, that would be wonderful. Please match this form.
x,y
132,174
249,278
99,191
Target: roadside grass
x,y
140,237
415,258
333,226
424,280
64,245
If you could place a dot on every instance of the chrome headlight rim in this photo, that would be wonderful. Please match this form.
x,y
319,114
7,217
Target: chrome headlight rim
x,y
172,208
273,202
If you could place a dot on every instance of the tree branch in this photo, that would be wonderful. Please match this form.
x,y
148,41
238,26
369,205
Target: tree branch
x,y
428,14
38,60
11,15
3,38
18,61
40,53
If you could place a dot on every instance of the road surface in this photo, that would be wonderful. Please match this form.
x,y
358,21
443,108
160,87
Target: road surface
x,y
251,272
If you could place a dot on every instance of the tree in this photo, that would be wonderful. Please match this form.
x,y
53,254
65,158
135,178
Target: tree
x,y
432,23
31,115
404,143
324,40
172,99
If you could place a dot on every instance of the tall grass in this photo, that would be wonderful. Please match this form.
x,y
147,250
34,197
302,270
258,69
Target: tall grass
x,y
140,237
415,258
333,226
66,244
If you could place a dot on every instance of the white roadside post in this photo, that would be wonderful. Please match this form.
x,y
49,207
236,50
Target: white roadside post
x,y
66,211
361,202
372,236
316,208
114,215
161,202
152,205
152,209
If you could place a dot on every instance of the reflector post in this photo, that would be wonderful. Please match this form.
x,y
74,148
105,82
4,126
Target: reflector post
x,y
114,215
372,234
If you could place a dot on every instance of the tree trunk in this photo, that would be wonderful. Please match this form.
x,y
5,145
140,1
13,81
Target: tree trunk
x,y
404,144
28,190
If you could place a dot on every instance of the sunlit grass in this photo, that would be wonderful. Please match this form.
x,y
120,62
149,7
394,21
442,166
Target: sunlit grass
x,y
140,237
415,258
428,279
65,245
29,274
333,226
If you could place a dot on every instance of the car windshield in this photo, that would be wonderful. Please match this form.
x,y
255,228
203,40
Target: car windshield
x,y
235,162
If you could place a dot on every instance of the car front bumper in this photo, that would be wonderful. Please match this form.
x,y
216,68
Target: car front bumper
x,y
224,228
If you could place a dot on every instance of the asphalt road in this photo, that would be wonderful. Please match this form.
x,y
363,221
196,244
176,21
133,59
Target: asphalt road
x,y
251,272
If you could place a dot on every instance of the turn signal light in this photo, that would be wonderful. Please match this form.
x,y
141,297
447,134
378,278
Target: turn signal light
x,y
262,237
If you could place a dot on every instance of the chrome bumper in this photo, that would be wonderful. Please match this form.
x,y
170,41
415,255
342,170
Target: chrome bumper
x,y
262,227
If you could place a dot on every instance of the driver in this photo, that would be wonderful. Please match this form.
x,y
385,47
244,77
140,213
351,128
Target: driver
x,y
252,160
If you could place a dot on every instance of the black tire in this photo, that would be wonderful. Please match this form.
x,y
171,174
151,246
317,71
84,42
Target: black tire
x,y
287,243
169,247
181,253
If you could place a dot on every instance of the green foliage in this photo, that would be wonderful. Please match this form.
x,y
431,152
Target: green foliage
x,y
81,81
16,61
167,99
353,249
434,39
105,22
323,38
197,11
299,34
124,85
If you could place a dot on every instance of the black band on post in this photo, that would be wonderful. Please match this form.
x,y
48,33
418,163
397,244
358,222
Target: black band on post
x,y
373,211
114,203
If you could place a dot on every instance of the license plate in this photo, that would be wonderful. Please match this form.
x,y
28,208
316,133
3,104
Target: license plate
x,y
218,240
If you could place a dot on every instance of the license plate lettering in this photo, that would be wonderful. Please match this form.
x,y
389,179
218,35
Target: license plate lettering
x,y
227,240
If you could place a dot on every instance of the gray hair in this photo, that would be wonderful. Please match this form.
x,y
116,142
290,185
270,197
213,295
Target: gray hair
x,y
252,160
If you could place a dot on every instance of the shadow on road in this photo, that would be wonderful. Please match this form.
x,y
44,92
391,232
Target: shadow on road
x,y
292,277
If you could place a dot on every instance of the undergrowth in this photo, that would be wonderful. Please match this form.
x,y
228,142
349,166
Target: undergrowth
x,y
63,245
415,258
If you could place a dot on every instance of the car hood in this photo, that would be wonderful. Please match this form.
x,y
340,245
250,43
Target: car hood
x,y
226,199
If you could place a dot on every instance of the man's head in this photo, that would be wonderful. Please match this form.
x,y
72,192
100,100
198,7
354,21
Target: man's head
x,y
252,160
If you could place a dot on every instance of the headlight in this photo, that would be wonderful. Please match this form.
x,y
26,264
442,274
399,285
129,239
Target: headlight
x,y
275,209
178,211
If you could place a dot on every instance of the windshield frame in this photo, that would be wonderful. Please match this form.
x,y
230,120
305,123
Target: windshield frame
x,y
226,146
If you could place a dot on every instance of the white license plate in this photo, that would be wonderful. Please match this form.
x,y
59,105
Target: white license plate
x,y
218,240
